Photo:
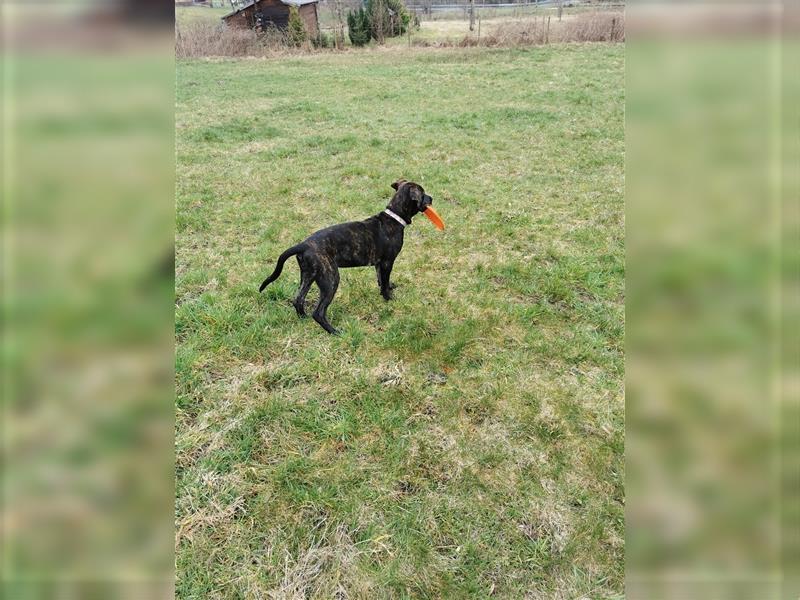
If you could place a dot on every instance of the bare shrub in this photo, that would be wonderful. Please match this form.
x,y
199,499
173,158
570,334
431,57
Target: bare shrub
x,y
273,39
586,27
522,33
200,38
593,27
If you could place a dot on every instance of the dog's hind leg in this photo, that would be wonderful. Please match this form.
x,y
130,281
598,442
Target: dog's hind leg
x,y
306,279
328,282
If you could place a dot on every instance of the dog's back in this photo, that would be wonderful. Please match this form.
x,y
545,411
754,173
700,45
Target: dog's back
x,y
353,244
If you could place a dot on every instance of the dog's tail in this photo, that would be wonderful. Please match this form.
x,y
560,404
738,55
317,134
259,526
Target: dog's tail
x,y
279,267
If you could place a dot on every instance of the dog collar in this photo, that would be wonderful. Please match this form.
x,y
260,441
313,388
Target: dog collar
x,y
396,217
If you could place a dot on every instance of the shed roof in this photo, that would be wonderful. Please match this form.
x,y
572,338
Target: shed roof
x,y
249,3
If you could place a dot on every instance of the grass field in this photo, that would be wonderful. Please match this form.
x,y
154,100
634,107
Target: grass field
x,y
186,14
464,440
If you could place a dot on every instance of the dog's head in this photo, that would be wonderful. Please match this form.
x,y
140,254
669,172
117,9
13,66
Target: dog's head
x,y
409,199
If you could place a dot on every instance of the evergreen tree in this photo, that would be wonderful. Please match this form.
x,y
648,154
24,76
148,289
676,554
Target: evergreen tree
x,y
297,30
402,18
358,27
387,18
379,19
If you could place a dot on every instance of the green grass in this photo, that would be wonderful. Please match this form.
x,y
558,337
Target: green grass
x,y
461,441
187,14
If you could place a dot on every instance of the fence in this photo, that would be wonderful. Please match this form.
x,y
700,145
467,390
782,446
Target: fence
x,y
512,8
530,4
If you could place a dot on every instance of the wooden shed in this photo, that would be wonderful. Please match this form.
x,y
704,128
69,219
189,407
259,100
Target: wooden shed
x,y
258,14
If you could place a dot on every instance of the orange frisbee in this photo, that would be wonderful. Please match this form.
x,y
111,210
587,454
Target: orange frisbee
x,y
434,218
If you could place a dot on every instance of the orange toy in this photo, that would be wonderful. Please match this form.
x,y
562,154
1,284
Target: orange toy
x,y
434,218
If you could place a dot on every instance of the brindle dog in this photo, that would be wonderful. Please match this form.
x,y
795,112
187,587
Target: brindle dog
x,y
373,242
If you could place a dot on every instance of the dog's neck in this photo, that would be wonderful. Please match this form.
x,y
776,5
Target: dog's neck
x,y
397,218
401,211
403,205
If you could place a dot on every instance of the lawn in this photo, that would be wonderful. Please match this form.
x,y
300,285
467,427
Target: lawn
x,y
187,14
464,440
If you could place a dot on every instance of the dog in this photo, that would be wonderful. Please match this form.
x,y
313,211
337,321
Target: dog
x,y
375,241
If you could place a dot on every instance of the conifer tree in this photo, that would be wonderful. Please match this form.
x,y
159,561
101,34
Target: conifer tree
x,y
358,27
297,30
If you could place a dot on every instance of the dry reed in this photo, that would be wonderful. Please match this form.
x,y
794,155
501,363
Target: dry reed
x,y
201,39
586,27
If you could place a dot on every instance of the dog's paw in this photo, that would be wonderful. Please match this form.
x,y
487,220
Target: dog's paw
x,y
300,308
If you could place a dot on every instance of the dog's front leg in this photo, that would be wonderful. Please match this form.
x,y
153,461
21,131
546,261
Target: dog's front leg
x,y
384,269
392,285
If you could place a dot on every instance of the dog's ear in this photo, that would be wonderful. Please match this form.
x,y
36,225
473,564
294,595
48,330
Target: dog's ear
x,y
396,185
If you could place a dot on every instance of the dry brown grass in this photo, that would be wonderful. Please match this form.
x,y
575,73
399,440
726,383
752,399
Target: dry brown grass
x,y
586,27
200,38
594,27
197,39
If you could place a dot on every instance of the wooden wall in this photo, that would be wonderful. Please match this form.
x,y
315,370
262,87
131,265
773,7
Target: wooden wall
x,y
309,14
277,12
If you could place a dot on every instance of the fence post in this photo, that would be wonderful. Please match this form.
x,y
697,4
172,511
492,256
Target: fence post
x,y
613,25
547,35
472,15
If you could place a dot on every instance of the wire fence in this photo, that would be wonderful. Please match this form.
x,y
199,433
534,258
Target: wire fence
x,y
566,4
461,10
531,4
